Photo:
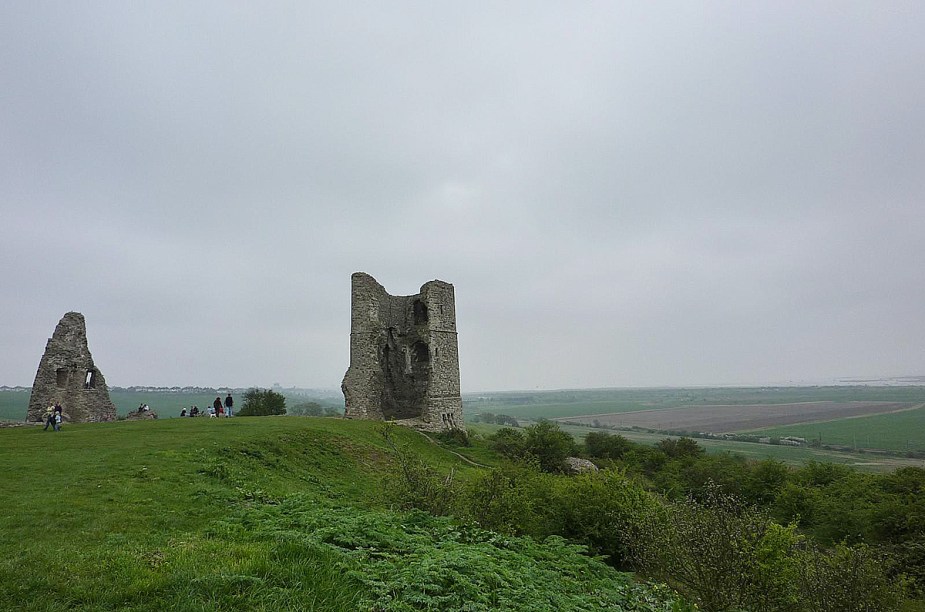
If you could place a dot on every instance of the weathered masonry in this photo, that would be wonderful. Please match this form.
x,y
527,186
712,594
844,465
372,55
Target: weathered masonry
x,y
67,375
404,362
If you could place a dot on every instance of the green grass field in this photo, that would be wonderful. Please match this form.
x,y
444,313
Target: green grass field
x,y
261,513
899,431
15,404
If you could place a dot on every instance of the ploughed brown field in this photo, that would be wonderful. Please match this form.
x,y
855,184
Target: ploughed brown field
x,y
735,418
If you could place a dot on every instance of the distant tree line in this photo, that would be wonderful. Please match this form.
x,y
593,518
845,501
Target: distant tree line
x,y
267,402
313,409
497,419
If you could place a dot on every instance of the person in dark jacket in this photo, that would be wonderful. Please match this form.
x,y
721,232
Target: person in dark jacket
x,y
229,406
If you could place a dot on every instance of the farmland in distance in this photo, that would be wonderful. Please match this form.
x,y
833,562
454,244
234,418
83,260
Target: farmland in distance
x,y
896,431
872,418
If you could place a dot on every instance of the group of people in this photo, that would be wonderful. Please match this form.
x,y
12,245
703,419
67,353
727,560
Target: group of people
x,y
53,417
217,409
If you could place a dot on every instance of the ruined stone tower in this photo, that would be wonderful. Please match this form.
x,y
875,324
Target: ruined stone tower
x,y
404,363
68,376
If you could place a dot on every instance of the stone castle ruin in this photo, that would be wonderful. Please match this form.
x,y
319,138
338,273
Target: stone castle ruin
x,y
67,375
404,362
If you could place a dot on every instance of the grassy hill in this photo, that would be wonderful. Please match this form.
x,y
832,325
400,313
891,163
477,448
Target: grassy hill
x,y
269,513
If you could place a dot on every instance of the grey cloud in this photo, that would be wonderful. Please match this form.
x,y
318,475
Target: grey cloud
x,y
622,195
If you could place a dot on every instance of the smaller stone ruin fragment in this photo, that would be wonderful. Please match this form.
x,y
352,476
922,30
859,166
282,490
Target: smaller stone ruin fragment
x,y
68,376
404,362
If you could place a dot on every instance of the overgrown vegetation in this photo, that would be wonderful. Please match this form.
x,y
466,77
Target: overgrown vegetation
x,y
329,514
711,530
544,443
265,514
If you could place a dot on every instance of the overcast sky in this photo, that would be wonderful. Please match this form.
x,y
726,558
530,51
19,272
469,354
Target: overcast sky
x,y
622,193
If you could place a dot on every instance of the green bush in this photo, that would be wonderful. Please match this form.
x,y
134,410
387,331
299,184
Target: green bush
x,y
550,445
764,481
724,555
454,437
603,445
592,509
677,448
847,579
262,402
497,500
598,510
415,484
509,443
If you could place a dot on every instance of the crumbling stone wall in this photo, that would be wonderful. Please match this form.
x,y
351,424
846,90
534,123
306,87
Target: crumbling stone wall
x,y
67,375
404,361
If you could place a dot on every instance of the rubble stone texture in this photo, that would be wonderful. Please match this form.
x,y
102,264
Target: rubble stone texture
x,y
404,361
577,465
67,375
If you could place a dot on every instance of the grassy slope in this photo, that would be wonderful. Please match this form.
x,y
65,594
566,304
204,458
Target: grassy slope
x,y
97,506
252,513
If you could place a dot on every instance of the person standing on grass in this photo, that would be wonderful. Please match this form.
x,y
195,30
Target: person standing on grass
x,y
57,426
229,404
49,418
217,405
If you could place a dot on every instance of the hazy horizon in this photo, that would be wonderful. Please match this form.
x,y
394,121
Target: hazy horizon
x,y
889,381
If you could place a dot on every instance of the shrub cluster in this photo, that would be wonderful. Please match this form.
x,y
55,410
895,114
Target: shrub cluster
x,y
715,547
544,443
498,419
262,402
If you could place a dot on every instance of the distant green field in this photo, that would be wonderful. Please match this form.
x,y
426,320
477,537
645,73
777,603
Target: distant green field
x,y
571,403
552,411
898,431
14,405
